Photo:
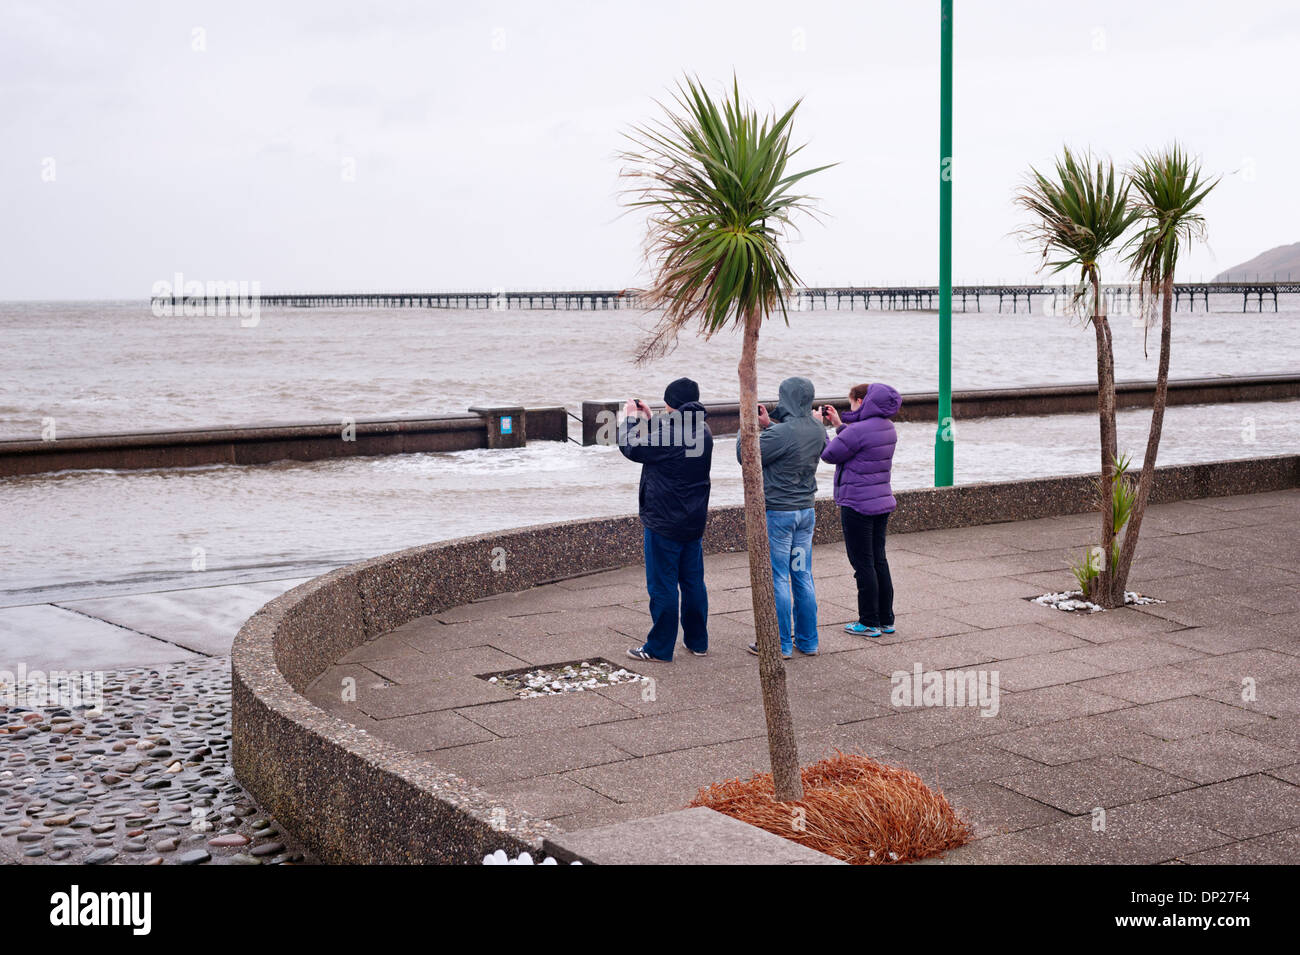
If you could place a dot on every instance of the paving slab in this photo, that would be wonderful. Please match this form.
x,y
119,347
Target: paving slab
x,y
417,667
1254,664
1275,848
696,836
1101,782
1051,704
1244,808
1139,834
1212,757
426,732
1186,716
202,619
1134,653
1044,669
995,810
522,717
523,757
1152,685
387,700
45,637
1013,848
553,797
1071,740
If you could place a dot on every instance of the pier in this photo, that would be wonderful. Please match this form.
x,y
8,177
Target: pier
x,y
965,298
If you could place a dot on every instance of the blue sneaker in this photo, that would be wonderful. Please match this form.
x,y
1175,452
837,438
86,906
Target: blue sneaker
x,y
861,630
887,630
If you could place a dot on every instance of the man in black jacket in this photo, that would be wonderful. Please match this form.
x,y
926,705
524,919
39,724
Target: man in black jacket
x,y
675,451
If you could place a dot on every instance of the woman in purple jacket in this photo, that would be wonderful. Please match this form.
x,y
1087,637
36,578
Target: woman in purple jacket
x,y
863,454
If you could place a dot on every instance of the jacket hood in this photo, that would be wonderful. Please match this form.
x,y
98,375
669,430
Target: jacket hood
x,y
880,401
795,399
694,406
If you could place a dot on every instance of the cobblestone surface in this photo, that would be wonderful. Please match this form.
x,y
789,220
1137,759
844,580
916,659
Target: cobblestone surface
x,y
147,781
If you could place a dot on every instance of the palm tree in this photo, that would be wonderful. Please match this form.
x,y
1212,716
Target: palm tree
x,y
713,178
1077,217
1169,188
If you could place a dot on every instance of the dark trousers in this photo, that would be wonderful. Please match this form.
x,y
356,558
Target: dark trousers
x,y
864,539
672,566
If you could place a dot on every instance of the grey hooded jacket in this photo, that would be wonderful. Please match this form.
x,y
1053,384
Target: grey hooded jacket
x,y
791,449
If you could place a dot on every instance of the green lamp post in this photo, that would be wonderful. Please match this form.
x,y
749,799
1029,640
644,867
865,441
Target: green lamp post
x,y
945,436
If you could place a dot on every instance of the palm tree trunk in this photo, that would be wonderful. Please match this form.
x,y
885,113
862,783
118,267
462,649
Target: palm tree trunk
x,y
1104,590
1147,478
781,744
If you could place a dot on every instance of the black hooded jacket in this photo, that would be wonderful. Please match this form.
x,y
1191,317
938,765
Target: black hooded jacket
x,y
675,451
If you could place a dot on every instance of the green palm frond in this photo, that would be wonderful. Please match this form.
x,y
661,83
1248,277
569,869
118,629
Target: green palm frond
x,y
1076,216
1167,189
712,176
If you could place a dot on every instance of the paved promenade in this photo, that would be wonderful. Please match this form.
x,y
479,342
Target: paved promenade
x,y
1119,737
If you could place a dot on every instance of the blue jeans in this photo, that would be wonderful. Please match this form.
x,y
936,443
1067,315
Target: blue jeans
x,y
789,535
672,566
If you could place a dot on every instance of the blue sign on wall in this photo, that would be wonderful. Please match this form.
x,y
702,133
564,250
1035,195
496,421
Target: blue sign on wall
x,y
507,424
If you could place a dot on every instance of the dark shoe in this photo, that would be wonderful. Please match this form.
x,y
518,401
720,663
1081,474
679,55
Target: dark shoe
x,y
697,653
639,654
807,653
753,648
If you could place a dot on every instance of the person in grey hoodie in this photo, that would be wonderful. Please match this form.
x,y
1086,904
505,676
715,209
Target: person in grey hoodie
x,y
791,444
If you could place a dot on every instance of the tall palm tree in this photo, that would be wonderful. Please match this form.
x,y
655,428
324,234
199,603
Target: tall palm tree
x,y
713,178
1077,217
1169,188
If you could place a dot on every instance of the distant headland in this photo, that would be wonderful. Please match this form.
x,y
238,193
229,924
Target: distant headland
x,y
1281,263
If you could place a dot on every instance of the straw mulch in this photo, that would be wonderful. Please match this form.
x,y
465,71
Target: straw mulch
x,y
854,809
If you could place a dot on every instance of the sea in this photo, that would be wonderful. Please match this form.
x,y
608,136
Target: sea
x,y
108,367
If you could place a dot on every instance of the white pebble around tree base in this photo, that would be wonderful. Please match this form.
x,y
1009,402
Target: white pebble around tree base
x,y
1071,601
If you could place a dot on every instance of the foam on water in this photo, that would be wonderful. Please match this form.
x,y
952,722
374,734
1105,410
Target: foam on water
x,y
87,533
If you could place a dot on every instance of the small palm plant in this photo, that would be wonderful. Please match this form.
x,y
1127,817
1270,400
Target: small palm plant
x,y
1168,188
713,178
1087,572
1077,216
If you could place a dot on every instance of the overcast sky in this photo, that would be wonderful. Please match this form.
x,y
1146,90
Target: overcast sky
x,y
319,145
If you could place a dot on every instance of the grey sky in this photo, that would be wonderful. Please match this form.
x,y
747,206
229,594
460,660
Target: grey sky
x,y
481,137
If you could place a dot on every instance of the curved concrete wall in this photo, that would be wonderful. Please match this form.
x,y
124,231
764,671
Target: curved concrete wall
x,y
354,798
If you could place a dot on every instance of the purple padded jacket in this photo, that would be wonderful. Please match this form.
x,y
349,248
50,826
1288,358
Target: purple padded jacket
x,y
863,453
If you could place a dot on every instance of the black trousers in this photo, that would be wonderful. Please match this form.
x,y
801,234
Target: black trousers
x,y
864,539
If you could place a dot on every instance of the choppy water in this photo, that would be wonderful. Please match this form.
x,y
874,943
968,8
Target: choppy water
x,y
105,367
113,367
